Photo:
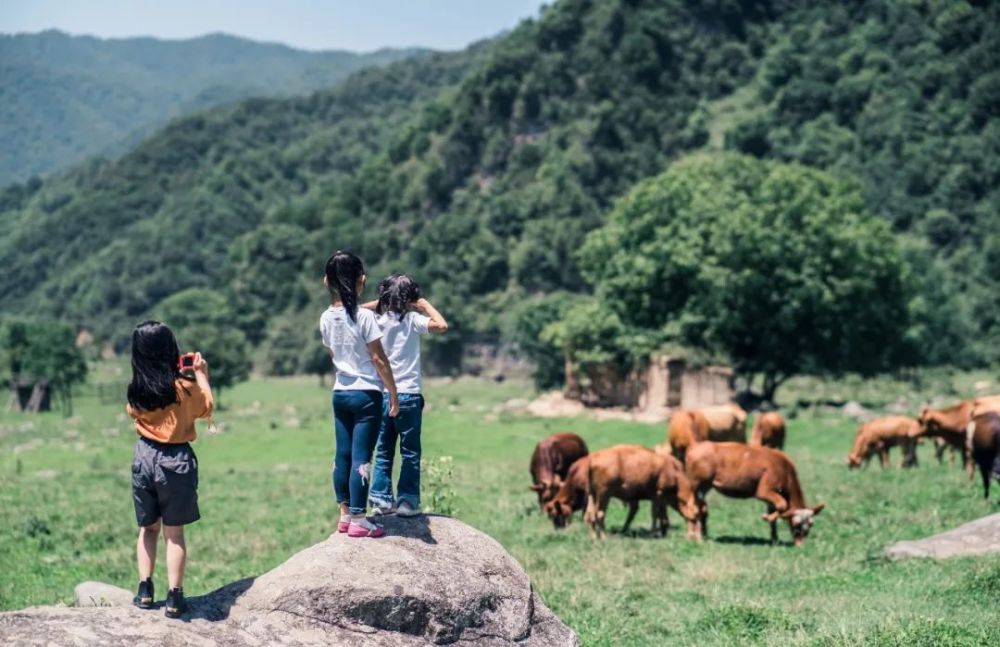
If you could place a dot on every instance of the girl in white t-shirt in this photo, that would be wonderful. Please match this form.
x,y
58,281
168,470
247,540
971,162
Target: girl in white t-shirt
x,y
403,316
353,337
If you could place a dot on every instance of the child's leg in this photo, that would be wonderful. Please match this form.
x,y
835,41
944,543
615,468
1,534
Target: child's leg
x,y
409,422
343,418
367,420
145,549
176,555
380,493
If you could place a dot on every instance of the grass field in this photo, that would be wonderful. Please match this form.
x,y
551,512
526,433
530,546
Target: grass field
x,y
66,516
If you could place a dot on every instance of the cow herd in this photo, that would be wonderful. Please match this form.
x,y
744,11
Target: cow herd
x,y
970,428
707,449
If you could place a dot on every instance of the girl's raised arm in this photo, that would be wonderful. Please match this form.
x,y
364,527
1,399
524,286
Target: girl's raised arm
x,y
437,324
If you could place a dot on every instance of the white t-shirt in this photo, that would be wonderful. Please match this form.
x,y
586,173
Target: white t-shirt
x,y
349,342
401,341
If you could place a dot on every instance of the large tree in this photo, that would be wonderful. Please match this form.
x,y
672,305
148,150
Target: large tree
x,y
778,267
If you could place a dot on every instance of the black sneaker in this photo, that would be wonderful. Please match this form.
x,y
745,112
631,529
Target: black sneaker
x,y
175,604
144,596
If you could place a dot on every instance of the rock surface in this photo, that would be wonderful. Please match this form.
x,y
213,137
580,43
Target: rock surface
x,y
431,580
973,538
99,594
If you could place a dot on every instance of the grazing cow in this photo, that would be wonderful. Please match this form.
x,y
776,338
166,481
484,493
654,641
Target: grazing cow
x,y
550,463
879,435
747,471
572,494
951,425
685,429
633,473
986,447
726,423
768,430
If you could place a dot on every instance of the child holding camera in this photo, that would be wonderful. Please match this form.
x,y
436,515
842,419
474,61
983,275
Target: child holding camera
x,y
403,317
354,339
168,392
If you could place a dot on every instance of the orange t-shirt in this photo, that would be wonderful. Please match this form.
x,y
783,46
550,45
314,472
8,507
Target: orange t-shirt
x,y
174,424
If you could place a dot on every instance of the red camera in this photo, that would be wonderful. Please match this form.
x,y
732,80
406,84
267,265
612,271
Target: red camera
x,y
186,362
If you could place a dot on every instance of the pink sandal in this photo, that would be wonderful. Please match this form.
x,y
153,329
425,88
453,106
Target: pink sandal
x,y
343,524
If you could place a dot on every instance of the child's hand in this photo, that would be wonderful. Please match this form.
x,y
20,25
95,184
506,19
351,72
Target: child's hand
x,y
420,304
200,364
393,407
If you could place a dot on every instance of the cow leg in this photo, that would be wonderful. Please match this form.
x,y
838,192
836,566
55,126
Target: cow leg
x,y
967,462
774,527
939,448
633,507
600,503
883,457
660,522
590,516
984,470
767,493
701,526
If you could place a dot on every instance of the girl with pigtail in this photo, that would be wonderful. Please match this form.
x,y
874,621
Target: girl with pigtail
x,y
353,337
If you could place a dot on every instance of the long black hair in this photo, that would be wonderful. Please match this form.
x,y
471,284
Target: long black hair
x,y
343,270
396,293
155,357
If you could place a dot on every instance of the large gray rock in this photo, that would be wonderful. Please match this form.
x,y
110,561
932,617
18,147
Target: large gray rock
x,y
432,580
973,538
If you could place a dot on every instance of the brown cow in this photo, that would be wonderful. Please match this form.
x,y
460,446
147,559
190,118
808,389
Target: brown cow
x,y
550,463
768,430
685,429
745,471
879,435
633,473
726,423
986,446
951,425
572,494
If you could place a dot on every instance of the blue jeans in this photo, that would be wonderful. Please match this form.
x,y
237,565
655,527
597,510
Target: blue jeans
x,y
405,427
356,418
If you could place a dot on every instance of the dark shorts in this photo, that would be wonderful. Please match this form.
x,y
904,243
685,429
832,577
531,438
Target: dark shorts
x,y
165,483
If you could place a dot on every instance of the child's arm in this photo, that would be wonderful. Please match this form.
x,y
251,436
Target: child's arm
x,y
201,377
437,324
381,363
370,305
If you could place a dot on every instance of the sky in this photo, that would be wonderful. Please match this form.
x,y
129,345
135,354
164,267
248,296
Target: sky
x,y
359,25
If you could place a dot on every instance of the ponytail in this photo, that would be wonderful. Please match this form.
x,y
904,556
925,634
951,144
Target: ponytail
x,y
343,270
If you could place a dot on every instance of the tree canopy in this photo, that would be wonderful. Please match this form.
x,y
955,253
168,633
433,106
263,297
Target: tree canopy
x,y
777,267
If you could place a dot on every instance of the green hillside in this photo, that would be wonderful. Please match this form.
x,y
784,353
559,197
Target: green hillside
x,y
64,98
481,172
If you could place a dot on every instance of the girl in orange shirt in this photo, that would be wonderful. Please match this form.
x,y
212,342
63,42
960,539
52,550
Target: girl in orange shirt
x,y
164,402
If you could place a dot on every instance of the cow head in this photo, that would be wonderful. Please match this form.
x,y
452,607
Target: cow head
x,y
929,421
800,521
560,512
853,461
546,490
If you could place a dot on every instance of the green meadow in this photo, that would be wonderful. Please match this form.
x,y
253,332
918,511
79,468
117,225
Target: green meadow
x,y
66,516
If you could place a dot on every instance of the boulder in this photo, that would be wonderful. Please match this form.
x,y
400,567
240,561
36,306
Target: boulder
x,y
99,594
973,538
431,580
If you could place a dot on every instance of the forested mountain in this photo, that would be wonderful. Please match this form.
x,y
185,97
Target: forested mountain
x,y
63,98
481,172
